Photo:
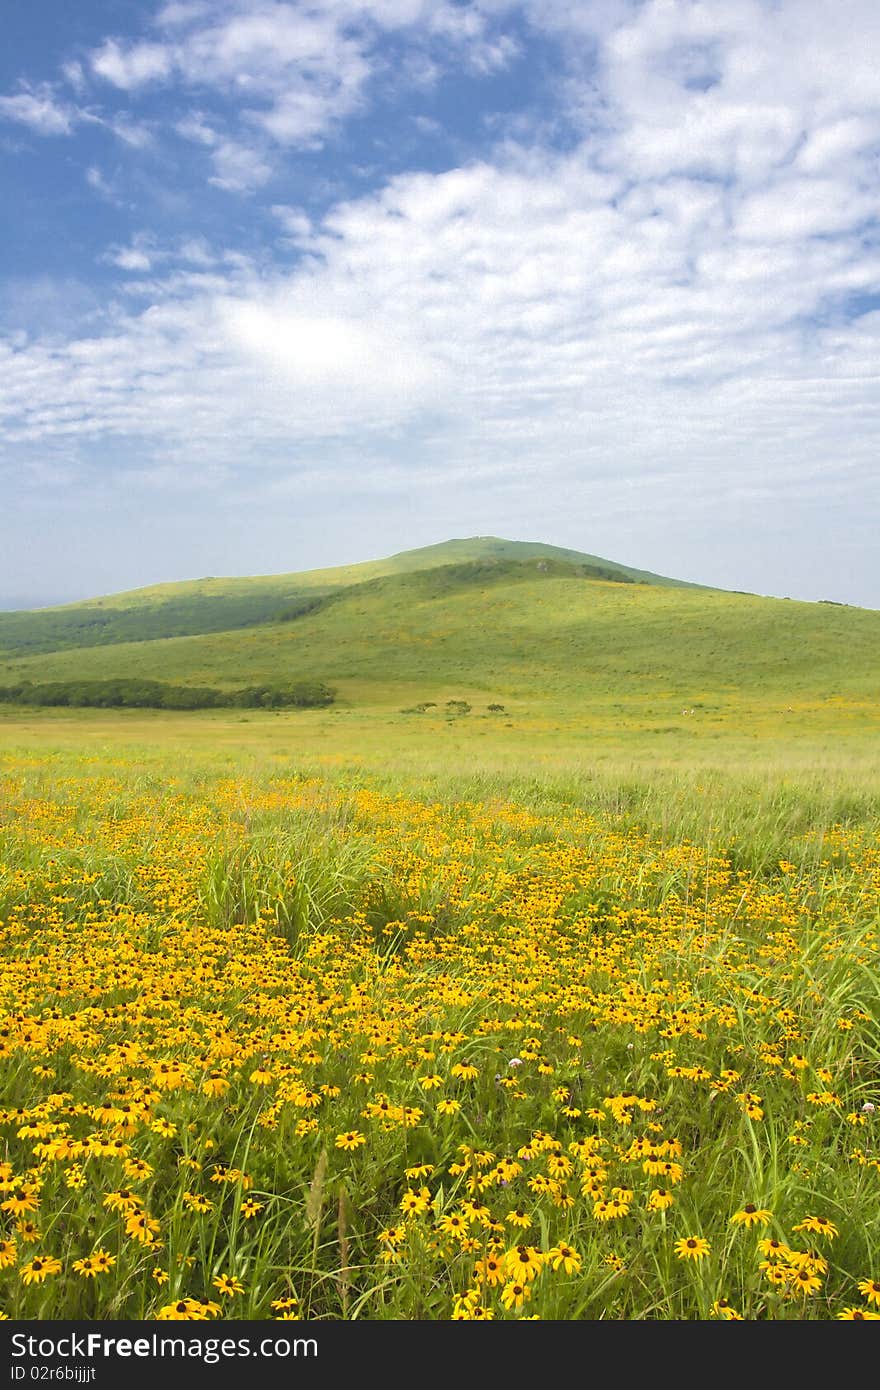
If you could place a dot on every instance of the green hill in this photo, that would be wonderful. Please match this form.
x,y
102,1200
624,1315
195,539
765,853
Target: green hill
x,y
498,625
221,605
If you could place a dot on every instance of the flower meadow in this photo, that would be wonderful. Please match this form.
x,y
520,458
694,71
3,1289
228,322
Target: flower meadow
x,y
295,1046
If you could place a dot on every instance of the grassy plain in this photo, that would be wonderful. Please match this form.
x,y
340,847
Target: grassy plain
x,y
355,1013
568,1009
584,644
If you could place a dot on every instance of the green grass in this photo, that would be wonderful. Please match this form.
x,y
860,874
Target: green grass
x,y
585,668
198,890
219,605
567,657
653,871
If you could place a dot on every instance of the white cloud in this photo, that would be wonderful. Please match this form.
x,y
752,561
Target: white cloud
x,y
238,168
671,305
549,317
130,258
140,256
132,67
197,128
294,71
196,251
73,73
794,208
296,224
731,87
97,181
183,13
317,354
37,108
845,139
135,134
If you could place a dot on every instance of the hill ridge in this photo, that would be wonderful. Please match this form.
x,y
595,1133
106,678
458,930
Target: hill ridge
x,y
192,608
476,546
542,633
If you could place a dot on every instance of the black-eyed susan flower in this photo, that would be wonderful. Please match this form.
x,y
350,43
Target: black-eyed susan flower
x,y
122,1199
142,1227
449,1106
454,1224
489,1270
228,1285
564,1257
519,1217
419,1170
672,1172
692,1248
414,1203
515,1294
181,1310
39,1268
21,1201
523,1263
773,1249
808,1259
197,1202
818,1225
659,1199
214,1084
871,1290
351,1139
726,1311
803,1280
611,1209
750,1215
465,1071
559,1166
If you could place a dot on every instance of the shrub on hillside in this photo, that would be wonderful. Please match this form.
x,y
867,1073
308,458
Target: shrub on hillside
x,y
149,694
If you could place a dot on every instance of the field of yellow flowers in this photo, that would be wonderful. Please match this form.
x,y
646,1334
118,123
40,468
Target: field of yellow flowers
x,y
288,1046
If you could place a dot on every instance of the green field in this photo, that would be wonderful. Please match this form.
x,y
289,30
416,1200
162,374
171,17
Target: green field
x,y
411,1008
218,605
560,649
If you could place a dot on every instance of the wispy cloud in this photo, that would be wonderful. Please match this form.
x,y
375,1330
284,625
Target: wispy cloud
x,y
677,298
295,72
39,109
133,66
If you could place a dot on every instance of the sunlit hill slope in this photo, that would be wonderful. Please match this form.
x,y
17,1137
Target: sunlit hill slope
x,y
482,617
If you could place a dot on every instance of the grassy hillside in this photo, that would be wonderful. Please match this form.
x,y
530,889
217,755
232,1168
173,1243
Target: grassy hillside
x,y
554,636
590,864
221,605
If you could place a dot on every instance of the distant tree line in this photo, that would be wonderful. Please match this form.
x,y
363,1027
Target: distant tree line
x,y
148,694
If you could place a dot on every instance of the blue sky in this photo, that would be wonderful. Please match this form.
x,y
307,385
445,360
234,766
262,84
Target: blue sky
x,y
295,284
